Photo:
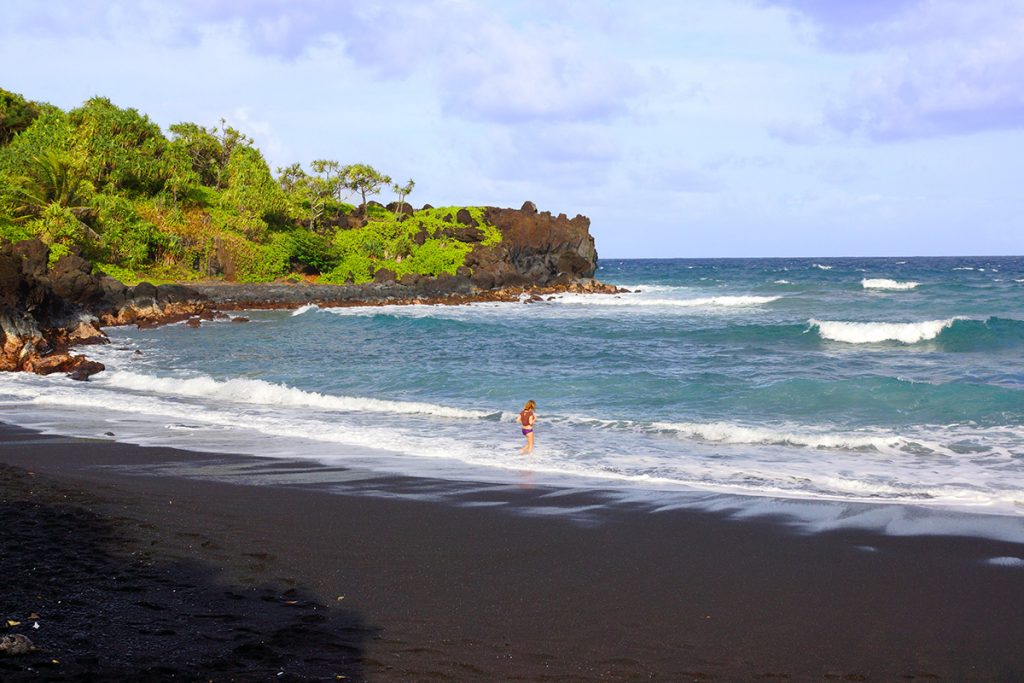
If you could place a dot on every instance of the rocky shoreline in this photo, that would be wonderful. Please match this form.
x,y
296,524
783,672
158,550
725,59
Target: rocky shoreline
x,y
231,296
45,310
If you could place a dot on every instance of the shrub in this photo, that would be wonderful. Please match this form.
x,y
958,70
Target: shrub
x,y
258,262
126,237
310,249
390,243
354,267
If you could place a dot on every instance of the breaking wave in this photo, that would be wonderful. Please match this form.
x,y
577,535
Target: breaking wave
x,y
882,283
699,302
260,392
305,309
877,332
953,334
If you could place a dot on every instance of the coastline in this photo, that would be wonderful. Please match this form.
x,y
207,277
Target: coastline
x,y
243,580
230,296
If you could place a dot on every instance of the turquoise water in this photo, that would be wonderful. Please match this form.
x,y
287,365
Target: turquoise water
x,y
857,380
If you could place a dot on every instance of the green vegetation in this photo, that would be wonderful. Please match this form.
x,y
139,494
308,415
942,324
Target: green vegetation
x,y
202,202
422,244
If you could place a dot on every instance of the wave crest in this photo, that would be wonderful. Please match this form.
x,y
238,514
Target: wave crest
x,y
729,433
700,302
304,309
877,332
261,392
883,283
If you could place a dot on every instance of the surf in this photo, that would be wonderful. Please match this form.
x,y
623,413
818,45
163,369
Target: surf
x,y
951,334
264,393
878,332
882,283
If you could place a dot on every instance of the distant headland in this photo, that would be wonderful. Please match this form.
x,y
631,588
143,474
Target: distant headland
x,y
104,220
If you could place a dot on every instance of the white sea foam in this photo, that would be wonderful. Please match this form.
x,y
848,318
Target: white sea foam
x,y
558,304
822,267
869,465
783,282
877,332
636,300
260,392
882,283
1006,561
963,268
726,432
305,309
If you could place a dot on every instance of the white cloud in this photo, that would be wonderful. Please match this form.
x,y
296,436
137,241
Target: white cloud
x,y
932,68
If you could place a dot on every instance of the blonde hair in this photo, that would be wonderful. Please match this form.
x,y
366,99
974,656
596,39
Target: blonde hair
x,y
530,405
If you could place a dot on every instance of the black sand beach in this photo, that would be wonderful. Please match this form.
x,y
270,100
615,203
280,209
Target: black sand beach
x,y
156,577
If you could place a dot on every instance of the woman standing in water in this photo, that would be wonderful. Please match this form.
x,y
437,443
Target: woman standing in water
x,y
526,418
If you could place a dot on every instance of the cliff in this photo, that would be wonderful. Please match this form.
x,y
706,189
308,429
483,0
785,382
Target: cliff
x,y
45,311
536,250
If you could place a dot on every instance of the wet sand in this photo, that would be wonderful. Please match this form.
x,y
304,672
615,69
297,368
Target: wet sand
x,y
136,575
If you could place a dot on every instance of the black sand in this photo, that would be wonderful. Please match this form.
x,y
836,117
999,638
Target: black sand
x,y
145,577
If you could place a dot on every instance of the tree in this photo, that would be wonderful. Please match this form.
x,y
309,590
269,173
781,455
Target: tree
x,y
54,199
251,190
402,191
313,192
16,114
292,178
327,184
54,178
209,149
121,149
364,179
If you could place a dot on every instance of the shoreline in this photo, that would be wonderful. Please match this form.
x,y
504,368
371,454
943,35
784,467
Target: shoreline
x,y
232,296
508,584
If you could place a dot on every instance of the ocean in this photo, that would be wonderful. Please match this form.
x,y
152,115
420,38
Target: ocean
x,y
860,391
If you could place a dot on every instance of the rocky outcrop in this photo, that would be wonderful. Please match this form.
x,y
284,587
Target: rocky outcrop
x,y
536,250
45,311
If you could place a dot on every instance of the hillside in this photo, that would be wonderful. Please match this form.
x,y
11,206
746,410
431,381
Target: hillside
x,y
106,183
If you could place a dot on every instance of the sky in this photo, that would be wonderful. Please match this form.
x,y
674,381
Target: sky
x,y
682,128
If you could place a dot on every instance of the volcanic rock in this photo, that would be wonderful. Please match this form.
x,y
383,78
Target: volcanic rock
x,y
44,312
404,208
463,216
86,369
384,275
536,249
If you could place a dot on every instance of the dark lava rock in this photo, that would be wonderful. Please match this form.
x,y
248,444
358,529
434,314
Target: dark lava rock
x,y
536,249
384,275
71,279
176,294
420,237
143,290
86,369
239,319
403,208
463,216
